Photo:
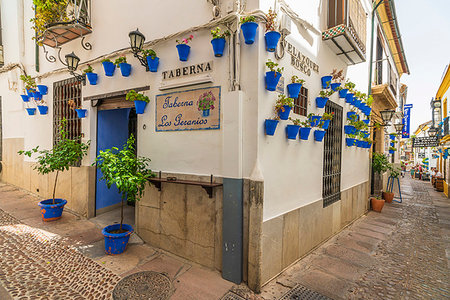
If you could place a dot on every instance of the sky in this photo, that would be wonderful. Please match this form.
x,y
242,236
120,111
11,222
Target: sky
x,y
424,28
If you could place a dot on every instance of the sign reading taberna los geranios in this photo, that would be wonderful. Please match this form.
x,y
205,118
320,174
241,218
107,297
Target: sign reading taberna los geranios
x,y
197,109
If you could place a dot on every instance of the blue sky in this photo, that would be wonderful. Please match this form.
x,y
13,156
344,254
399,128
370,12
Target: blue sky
x,y
424,26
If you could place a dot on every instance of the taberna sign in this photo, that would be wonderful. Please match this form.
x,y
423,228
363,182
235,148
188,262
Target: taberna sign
x,y
406,120
300,61
192,70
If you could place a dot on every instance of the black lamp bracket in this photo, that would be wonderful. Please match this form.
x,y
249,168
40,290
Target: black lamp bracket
x,y
142,59
81,78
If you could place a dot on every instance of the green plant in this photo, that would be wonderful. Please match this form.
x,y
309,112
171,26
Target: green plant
x,y
295,79
305,124
273,67
328,116
394,141
185,41
380,162
282,101
393,134
369,100
106,60
392,149
48,12
349,85
271,18
337,75
64,154
246,19
89,69
326,93
149,52
297,122
120,60
216,33
29,82
124,169
135,96
394,172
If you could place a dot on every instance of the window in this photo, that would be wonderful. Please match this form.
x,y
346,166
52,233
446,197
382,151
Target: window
x,y
301,103
379,64
392,80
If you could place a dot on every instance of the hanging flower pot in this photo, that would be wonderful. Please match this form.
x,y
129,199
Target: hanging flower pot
x,y
292,131
43,109
125,69
304,133
326,81
153,63
284,113
392,144
271,126
349,129
50,211
350,142
350,115
37,96
43,89
368,111
325,124
81,112
335,85
392,136
25,98
140,106
365,133
314,120
272,79
321,101
115,243
358,143
30,92
92,77
366,121
294,90
218,46
31,111
391,151
272,38
357,103
319,134
349,98
109,67
377,204
249,31
183,51
343,93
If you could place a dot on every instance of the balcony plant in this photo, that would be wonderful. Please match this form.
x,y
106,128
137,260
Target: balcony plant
x,y
295,86
125,68
140,101
271,125
46,13
319,133
218,41
272,36
349,91
326,119
81,113
323,98
273,76
336,78
152,59
109,67
205,103
248,27
64,154
283,106
91,76
129,173
183,48
314,119
29,83
305,129
293,129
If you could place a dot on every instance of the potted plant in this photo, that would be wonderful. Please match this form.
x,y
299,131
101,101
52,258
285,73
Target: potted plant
x,y
326,80
352,115
218,41
376,203
43,109
283,106
272,36
349,88
323,98
29,83
326,119
43,89
64,154
25,97
273,76
129,174
109,67
140,101
305,129
271,125
295,86
205,103
336,78
380,164
392,150
125,68
248,27
91,76
152,59
350,140
81,113
293,129
31,111
392,135
314,119
183,48
319,133
368,142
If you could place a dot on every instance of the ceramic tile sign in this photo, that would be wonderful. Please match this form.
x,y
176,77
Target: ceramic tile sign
x,y
197,109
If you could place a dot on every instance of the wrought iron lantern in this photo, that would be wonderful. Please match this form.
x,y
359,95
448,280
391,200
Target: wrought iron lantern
x,y
387,115
436,111
137,40
398,127
72,62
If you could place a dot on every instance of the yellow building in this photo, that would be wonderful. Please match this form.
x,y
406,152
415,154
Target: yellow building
x,y
443,95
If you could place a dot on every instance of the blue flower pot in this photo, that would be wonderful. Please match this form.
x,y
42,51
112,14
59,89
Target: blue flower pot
x,y
43,109
43,89
326,81
366,121
271,126
349,98
272,38
294,90
249,31
183,51
81,112
319,134
109,68
272,79
392,137
284,115
304,133
292,131
205,113
392,144
30,92
391,151
326,123
25,98
357,103
349,129
349,142
350,114
140,106
125,69
92,77
321,101
335,85
153,63
366,133
314,121
31,111
368,111
218,46
115,243
343,93
37,96
50,211
358,143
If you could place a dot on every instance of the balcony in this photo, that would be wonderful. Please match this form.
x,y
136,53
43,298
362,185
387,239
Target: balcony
x,y
346,33
383,97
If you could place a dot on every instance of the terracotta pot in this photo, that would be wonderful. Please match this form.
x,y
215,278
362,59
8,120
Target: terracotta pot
x,y
377,204
388,196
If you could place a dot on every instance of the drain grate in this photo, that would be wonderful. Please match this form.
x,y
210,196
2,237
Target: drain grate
x,y
231,296
299,292
144,285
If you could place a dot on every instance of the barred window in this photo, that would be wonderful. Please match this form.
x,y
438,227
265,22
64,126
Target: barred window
x,y
301,103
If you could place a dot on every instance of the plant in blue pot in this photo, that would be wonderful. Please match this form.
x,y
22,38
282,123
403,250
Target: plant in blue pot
x,y
248,28
283,106
323,98
314,119
125,68
305,130
350,140
319,133
140,101
91,76
272,36
129,174
273,76
42,107
109,67
218,41
183,48
29,84
392,150
293,129
81,113
152,59
326,119
295,86
336,79
271,124
206,103
65,153
43,89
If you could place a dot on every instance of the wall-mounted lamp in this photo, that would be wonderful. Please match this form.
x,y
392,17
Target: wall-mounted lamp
x,y
432,131
72,64
137,40
387,115
399,127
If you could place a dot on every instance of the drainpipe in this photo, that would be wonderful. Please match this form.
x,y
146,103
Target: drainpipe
x,y
375,6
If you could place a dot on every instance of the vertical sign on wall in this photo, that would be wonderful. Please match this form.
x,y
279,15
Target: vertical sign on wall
x,y
406,120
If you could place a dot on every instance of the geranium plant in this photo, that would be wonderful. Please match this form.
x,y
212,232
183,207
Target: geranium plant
x,y
29,82
273,66
206,101
350,86
337,75
328,116
326,93
106,60
296,122
149,52
89,69
271,17
246,19
120,60
218,34
282,101
185,41
296,79
135,96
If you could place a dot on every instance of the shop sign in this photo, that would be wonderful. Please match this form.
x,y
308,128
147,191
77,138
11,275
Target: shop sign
x,y
300,61
420,155
406,120
192,70
197,109
428,141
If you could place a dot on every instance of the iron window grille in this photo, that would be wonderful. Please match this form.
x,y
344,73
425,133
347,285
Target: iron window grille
x,y
331,186
301,102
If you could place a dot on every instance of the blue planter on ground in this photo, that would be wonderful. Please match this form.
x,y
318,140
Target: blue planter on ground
x,y
349,129
249,32
366,121
50,211
350,114
109,68
140,106
349,98
321,101
37,96
271,126
294,90
43,109
115,243
218,46
343,93
326,123
92,77
272,38
153,63
391,151
326,80
349,142
183,51
314,121
125,69
25,98
81,112
205,113
272,79
292,131
335,85
43,89
31,111
304,133
284,115
319,134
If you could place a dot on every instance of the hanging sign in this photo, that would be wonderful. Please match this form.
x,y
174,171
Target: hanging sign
x,y
197,109
428,141
406,120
